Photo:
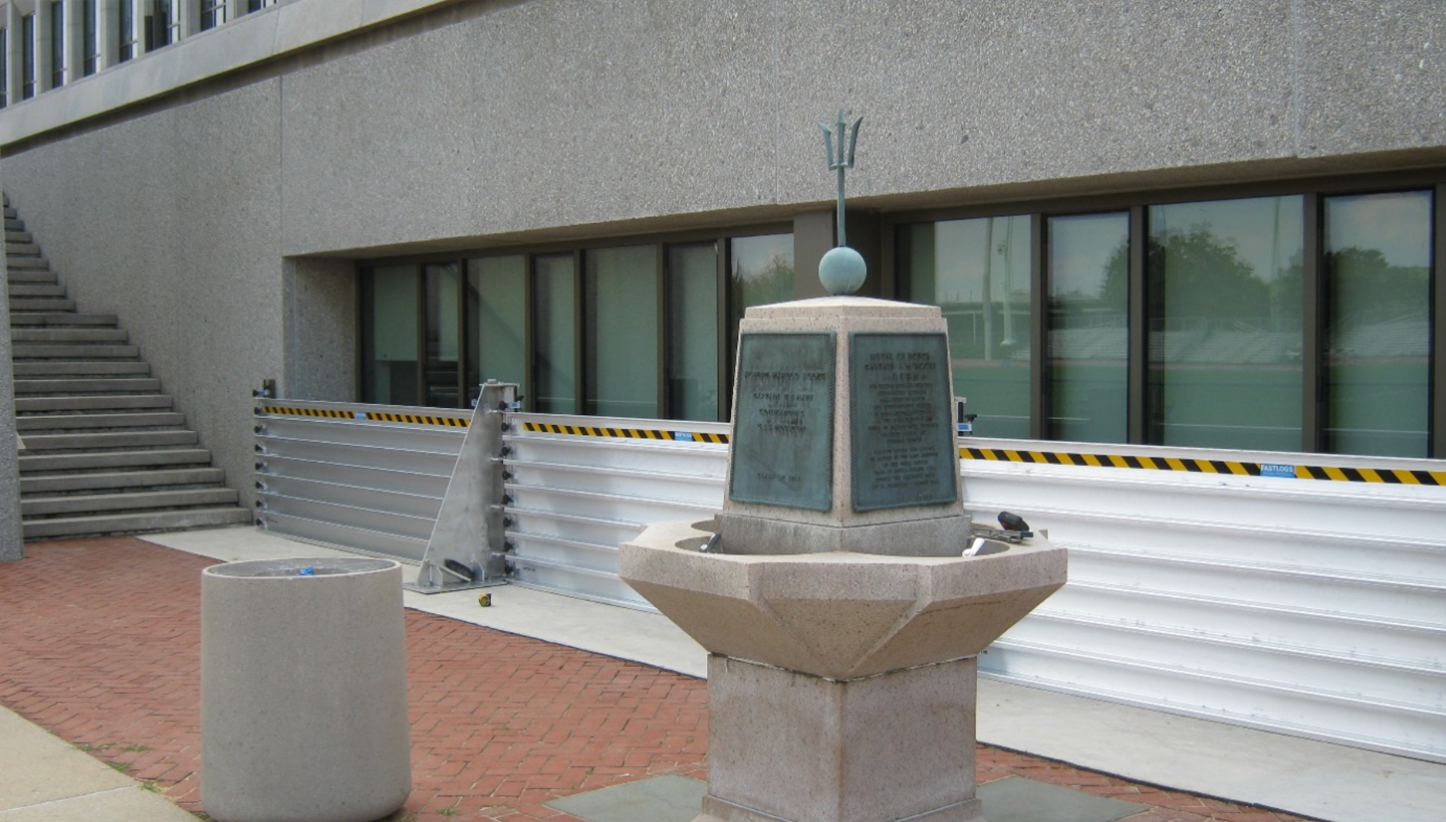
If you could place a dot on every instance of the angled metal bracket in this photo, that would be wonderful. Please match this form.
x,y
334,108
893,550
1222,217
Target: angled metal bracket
x,y
468,546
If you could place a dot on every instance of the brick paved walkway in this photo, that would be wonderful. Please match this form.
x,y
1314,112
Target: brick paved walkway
x,y
100,643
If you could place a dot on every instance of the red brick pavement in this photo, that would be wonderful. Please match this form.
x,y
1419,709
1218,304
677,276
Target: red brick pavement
x,y
100,644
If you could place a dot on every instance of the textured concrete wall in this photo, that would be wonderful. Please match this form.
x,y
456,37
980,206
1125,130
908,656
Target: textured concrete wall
x,y
172,221
491,123
11,537
319,309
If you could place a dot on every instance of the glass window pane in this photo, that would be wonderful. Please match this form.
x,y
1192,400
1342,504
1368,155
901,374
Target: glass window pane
x,y
693,331
443,336
622,331
497,321
1225,329
762,270
390,343
554,337
1089,263
977,271
1378,324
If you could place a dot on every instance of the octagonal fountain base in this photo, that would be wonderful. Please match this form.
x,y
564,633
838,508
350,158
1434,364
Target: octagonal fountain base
x,y
841,686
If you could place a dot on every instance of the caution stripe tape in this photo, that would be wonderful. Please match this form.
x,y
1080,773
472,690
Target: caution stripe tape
x,y
625,433
1393,476
377,416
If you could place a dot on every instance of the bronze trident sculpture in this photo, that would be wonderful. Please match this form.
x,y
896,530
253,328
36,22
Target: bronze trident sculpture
x,y
842,269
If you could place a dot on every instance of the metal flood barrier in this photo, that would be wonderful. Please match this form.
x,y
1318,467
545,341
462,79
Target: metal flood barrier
x,y
1242,587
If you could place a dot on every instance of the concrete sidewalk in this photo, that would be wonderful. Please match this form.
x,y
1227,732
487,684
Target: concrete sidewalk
x,y
475,690
43,778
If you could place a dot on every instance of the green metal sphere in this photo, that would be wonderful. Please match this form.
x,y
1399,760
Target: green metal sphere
x,y
842,270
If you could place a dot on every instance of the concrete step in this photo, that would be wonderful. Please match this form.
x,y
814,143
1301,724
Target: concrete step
x,y
65,368
35,276
18,290
65,336
74,351
103,402
76,504
107,441
41,304
135,480
88,387
62,319
18,236
74,422
136,523
21,248
100,461
27,263
14,224
10,212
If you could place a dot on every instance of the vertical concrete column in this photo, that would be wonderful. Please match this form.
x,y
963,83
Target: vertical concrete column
x,y
107,19
12,55
44,77
74,12
11,534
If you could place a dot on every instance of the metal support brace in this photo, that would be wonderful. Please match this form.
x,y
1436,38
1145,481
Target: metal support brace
x,y
468,545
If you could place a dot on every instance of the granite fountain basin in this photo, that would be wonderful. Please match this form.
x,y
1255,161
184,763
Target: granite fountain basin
x,y
838,615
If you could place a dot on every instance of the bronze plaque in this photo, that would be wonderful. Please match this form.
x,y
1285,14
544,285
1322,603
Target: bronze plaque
x,y
782,448
904,452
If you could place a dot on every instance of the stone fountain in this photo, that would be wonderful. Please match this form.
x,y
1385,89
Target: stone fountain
x,y
842,593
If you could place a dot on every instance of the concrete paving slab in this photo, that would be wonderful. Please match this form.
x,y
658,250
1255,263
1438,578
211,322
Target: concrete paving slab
x,y
669,798
1304,776
129,804
44,778
1016,799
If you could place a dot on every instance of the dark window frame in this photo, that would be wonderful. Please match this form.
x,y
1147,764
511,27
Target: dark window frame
x,y
579,249
1313,191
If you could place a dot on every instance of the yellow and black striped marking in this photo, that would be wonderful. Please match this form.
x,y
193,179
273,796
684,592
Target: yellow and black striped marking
x,y
624,433
1393,476
379,416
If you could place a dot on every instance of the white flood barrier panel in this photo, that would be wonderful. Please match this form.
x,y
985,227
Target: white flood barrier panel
x,y
579,486
365,477
1314,607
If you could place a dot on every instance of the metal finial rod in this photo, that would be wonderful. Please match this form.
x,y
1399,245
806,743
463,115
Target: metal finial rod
x,y
843,159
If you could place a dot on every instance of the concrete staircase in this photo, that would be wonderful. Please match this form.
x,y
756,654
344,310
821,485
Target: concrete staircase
x,y
104,451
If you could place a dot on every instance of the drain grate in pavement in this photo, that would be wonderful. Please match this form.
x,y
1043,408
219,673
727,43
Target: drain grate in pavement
x,y
674,798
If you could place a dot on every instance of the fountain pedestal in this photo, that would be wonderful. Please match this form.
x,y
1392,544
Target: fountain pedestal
x,y
832,590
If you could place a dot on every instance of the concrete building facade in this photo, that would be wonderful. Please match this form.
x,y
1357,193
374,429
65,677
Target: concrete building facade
x,y
233,194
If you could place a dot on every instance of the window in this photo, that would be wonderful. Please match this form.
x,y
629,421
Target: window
x,y
390,308
622,290
978,273
90,39
163,24
1376,361
4,67
760,272
27,57
57,43
554,336
257,5
694,388
1225,334
1283,321
625,331
212,13
442,313
1088,282
496,318
125,31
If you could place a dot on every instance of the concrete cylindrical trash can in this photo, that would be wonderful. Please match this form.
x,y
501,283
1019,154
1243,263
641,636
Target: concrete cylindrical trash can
x,y
303,691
